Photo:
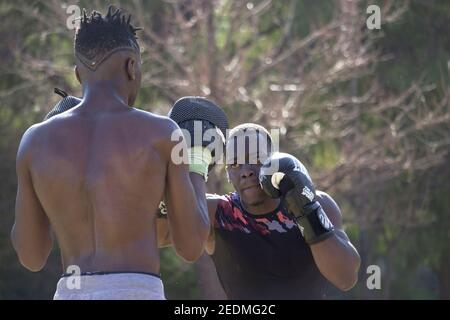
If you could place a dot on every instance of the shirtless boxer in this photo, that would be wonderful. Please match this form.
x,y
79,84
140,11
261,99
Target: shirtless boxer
x,y
94,176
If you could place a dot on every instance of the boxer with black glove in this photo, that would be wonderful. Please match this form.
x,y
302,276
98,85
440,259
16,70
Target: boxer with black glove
x,y
283,175
267,248
317,216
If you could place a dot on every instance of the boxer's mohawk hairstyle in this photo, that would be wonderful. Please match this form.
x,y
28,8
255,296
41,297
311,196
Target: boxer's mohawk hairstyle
x,y
99,37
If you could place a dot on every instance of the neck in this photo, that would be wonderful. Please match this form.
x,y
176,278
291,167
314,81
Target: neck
x,y
103,93
263,207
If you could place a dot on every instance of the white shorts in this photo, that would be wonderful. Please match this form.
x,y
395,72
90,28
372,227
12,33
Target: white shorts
x,y
110,286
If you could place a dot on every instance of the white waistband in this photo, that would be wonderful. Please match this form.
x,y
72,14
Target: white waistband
x,y
112,286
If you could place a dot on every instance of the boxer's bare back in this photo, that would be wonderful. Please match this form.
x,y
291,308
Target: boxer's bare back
x,y
99,176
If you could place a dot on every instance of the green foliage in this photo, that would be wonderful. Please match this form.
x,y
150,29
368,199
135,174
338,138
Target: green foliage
x,y
420,45
325,155
179,278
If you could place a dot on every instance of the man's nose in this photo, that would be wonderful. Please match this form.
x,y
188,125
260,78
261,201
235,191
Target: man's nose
x,y
247,171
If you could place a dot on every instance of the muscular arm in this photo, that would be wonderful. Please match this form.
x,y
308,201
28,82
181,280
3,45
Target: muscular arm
x,y
31,233
336,258
188,219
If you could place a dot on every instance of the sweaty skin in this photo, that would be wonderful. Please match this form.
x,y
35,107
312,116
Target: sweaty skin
x,y
94,176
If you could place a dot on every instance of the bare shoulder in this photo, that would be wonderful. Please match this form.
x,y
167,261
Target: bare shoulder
x,y
330,207
154,126
159,126
28,141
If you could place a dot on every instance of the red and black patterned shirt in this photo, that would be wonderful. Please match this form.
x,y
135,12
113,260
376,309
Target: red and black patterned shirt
x,y
263,256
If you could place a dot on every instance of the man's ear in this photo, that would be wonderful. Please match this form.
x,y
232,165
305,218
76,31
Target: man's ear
x,y
131,68
77,74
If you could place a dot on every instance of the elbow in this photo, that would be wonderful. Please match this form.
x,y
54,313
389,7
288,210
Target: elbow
x,y
347,283
191,258
32,259
350,278
190,255
190,245
32,265
191,251
32,262
196,247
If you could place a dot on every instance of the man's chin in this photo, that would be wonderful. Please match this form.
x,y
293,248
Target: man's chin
x,y
253,200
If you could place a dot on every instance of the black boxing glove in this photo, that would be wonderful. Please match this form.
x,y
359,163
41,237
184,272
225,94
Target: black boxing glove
x,y
284,176
68,102
204,124
204,134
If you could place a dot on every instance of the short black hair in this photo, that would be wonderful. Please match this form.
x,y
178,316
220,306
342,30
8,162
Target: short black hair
x,y
244,131
244,127
98,37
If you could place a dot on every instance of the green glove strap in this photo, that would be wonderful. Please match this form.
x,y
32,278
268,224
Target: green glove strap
x,y
199,160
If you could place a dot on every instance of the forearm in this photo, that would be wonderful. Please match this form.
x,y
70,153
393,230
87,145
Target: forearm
x,y
198,183
337,260
189,222
163,230
32,253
